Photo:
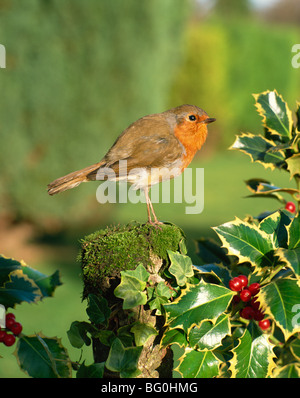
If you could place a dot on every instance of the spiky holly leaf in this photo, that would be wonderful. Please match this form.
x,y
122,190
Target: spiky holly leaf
x,y
276,225
291,255
277,117
19,288
181,267
291,371
257,147
174,336
7,265
204,301
43,357
211,252
247,242
221,273
295,345
294,233
278,299
265,189
198,364
47,284
253,357
208,335
291,258
293,165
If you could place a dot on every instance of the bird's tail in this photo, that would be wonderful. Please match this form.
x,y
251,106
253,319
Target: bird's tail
x,y
72,180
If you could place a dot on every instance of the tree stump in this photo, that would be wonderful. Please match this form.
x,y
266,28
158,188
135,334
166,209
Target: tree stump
x,y
104,255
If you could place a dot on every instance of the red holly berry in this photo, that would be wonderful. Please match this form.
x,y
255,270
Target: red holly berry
x,y
245,295
290,206
10,315
258,315
247,313
244,280
255,304
16,328
254,288
235,284
9,340
9,322
264,324
2,335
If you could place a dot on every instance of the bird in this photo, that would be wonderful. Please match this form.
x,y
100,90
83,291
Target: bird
x,y
152,149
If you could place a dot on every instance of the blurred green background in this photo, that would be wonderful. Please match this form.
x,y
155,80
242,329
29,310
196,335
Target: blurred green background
x,y
79,72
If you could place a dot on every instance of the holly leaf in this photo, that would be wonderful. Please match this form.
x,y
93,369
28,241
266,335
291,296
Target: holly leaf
x,y
276,225
43,357
247,242
181,267
294,233
263,188
204,301
47,284
279,299
291,371
221,273
174,336
257,147
293,165
253,357
210,252
295,346
7,266
291,256
19,288
276,115
123,360
208,335
198,364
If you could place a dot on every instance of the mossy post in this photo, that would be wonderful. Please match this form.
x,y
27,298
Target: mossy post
x,y
104,255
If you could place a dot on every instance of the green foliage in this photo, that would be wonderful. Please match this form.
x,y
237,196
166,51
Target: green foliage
x,y
19,283
43,357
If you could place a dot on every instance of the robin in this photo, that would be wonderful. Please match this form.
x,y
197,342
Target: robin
x,y
154,148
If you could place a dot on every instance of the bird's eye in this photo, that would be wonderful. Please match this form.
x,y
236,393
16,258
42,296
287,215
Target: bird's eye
x,y
192,118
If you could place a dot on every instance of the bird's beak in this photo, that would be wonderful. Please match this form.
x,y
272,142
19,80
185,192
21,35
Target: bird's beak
x,y
209,120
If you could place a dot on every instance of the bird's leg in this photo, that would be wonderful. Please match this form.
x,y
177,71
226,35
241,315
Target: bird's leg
x,y
150,206
146,191
154,215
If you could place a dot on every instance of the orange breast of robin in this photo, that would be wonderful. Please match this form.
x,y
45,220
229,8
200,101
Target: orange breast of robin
x,y
192,136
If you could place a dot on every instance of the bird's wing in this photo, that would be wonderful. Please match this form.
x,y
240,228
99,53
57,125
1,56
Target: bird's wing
x,y
147,143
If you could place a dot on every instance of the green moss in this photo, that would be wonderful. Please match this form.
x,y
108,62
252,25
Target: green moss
x,y
107,252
